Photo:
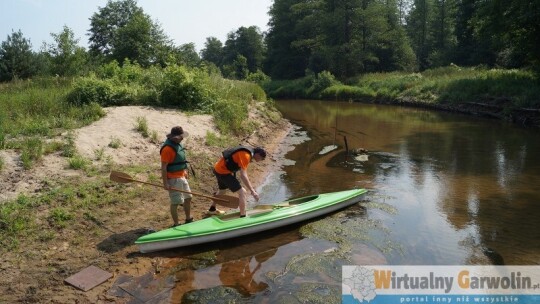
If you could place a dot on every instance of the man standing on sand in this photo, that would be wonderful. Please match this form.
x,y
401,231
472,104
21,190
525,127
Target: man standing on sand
x,y
234,160
174,173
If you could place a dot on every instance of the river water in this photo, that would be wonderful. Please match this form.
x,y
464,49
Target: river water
x,y
445,189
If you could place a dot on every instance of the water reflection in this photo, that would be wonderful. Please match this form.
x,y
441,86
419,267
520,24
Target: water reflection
x,y
466,190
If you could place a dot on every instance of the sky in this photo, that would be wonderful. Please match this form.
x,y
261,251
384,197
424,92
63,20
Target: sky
x,y
184,21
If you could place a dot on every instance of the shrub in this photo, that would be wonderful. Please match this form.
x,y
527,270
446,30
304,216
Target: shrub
x,y
229,115
104,92
258,77
186,89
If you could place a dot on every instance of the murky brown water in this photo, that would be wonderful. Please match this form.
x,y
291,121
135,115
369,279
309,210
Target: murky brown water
x,y
446,189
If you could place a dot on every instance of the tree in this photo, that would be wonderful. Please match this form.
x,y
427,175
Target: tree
x,y
186,55
283,60
247,42
418,29
213,51
238,69
67,58
16,58
122,30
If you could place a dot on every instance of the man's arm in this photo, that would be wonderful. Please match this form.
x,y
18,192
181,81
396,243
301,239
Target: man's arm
x,y
164,175
245,180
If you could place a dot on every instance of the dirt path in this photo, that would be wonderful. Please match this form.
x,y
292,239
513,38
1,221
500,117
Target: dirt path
x,y
36,272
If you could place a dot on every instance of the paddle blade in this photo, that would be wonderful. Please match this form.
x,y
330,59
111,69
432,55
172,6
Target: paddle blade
x,y
225,200
120,177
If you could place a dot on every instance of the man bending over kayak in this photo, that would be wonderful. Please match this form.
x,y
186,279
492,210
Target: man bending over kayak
x,y
234,160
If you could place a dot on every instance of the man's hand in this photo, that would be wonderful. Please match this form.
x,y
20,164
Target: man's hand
x,y
255,195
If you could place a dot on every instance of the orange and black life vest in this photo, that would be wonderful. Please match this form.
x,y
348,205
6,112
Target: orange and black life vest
x,y
229,162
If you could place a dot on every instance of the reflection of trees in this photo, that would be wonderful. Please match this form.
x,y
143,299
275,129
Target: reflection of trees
x,y
488,183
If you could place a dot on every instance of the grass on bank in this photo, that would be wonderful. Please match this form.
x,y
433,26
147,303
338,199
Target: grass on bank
x,y
68,202
445,85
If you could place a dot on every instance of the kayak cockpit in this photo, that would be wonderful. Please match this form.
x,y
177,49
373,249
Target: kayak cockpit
x,y
263,209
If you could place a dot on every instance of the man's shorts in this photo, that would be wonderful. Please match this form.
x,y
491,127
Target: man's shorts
x,y
177,198
227,181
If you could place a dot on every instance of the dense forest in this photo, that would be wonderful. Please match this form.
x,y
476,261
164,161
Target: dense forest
x,y
344,37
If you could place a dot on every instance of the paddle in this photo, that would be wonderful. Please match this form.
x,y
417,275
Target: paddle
x,y
225,201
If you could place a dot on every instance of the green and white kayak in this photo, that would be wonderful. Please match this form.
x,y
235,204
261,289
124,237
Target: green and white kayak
x,y
259,218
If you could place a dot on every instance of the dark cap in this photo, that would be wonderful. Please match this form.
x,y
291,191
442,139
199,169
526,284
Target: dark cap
x,y
177,131
260,151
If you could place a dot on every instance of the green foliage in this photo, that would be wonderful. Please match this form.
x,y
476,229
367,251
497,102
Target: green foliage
x,y
67,201
15,217
229,115
77,162
122,30
105,92
215,140
59,217
2,162
259,78
243,51
519,87
450,84
115,143
237,69
68,59
322,81
346,92
142,127
186,89
69,149
17,61
186,54
38,107
31,151
213,51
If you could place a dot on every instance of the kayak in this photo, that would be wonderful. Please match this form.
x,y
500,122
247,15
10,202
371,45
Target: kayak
x,y
258,218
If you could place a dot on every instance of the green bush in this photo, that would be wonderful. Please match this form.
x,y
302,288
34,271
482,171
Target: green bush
x,y
104,92
229,115
322,81
186,89
258,77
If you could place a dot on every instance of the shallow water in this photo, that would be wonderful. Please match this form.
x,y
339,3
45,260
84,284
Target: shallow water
x,y
445,189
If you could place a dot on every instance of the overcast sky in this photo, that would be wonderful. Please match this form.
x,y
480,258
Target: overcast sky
x,y
184,21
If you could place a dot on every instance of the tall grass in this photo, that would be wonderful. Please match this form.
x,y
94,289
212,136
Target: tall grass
x,y
38,107
32,151
451,84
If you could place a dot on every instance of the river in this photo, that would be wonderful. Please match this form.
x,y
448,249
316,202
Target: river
x,y
444,189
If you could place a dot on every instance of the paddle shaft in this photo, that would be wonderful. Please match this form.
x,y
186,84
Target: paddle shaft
x,y
176,189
